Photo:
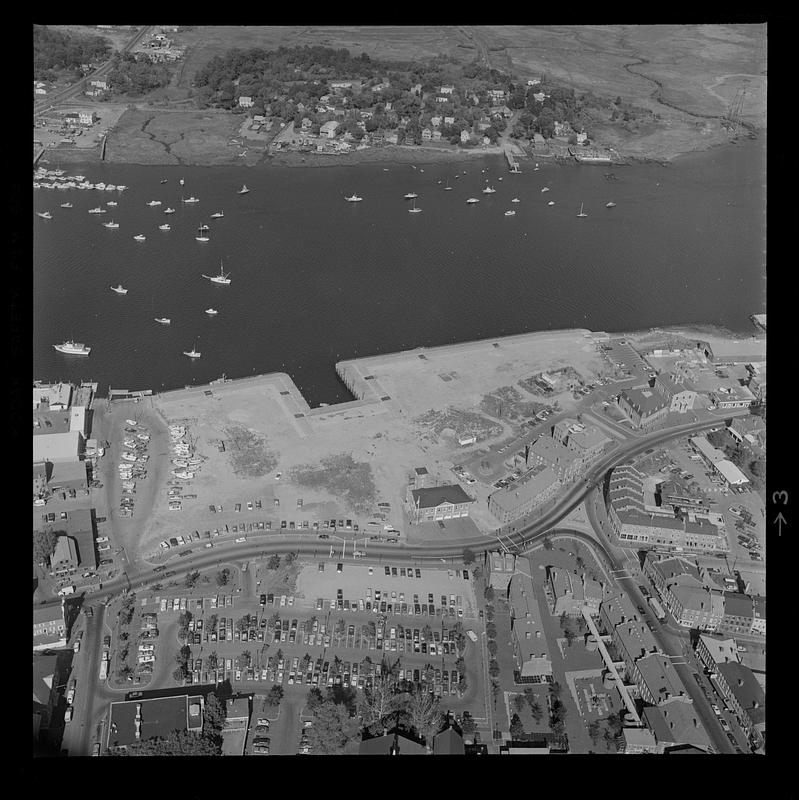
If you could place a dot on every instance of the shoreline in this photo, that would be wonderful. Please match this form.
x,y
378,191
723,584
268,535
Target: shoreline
x,y
689,331
400,154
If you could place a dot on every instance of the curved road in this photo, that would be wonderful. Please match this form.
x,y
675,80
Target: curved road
x,y
137,577
76,88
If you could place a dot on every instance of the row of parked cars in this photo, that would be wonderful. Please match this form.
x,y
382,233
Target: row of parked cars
x,y
395,604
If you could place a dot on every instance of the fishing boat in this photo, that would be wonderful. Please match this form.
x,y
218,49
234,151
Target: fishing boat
x,y
204,227
551,203
181,181
45,214
353,199
66,205
163,181
73,348
110,187
472,200
582,213
111,224
243,189
119,289
193,352
169,211
489,190
121,187
154,203
97,210
192,199
218,215
221,278
112,203
164,227
163,320
515,200
535,168
139,237
611,204
202,237
414,210
211,311
411,195
448,188
510,213
545,189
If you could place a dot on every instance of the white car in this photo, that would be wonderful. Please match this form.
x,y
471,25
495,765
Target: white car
x,y
101,539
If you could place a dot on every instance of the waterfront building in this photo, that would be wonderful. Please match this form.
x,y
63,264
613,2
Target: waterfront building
x,y
329,129
537,486
56,396
57,447
64,560
643,407
438,503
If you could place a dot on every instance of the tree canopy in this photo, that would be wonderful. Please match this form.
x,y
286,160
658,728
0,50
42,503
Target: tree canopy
x,y
57,50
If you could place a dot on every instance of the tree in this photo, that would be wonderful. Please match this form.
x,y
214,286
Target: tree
x,y
214,715
376,705
341,627
213,661
176,743
593,730
468,725
425,715
547,543
428,632
245,658
516,727
489,593
290,558
191,579
327,735
535,707
493,668
569,634
519,702
274,696
223,577
44,543
468,556
492,647
274,562
314,699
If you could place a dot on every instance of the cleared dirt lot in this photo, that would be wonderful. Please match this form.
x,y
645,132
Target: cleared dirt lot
x,y
384,437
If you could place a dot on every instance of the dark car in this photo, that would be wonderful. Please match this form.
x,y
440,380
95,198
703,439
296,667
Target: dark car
x,y
263,599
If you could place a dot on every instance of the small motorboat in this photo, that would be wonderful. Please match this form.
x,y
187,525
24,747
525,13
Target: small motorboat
x,y
211,312
119,289
139,237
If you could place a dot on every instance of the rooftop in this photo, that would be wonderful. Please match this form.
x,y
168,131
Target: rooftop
x,y
527,621
721,650
382,745
438,495
644,401
706,449
746,689
57,446
731,473
553,452
588,438
529,486
48,614
159,717
676,722
738,605
449,743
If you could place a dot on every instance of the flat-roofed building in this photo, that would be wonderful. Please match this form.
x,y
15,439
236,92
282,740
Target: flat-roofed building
x,y
739,613
731,474
57,396
537,486
68,475
438,503
77,419
131,721
503,565
49,627
56,447
643,407
676,723
746,697
530,646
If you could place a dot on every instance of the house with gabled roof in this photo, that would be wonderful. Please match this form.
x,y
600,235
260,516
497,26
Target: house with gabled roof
x,y
438,503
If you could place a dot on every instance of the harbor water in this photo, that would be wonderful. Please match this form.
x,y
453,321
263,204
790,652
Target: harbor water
x,y
316,279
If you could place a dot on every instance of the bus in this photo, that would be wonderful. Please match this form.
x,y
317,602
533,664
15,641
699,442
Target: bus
x,y
657,608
